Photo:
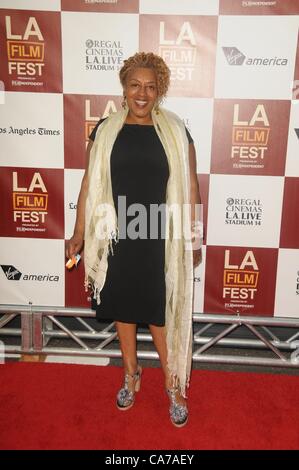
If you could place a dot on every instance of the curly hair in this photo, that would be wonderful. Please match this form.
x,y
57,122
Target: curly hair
x,y
151,61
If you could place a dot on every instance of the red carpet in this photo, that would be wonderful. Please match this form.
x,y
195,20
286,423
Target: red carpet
x,y
51,406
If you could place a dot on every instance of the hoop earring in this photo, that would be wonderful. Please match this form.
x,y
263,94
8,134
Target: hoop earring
x,y
124,103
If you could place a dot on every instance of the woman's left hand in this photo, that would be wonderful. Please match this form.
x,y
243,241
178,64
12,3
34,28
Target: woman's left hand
x,y
197,258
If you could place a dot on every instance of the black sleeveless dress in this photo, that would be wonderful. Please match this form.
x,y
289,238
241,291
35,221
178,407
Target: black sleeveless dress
x,y
134,289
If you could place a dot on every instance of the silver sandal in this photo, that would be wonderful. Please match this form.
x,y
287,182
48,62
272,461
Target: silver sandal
x,y
125,398
178,413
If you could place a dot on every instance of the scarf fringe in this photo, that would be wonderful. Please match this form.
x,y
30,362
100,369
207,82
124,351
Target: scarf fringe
x,y
114,238
175,383
90,284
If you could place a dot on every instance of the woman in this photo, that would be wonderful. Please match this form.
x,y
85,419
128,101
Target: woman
x,y
142,153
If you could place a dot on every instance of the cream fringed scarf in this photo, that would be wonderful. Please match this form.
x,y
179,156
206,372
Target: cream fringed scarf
x,y
178,259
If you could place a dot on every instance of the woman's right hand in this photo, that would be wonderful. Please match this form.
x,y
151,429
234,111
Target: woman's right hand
x,y
74,246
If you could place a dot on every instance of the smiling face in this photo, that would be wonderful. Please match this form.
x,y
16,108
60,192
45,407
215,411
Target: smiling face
x,y
141,94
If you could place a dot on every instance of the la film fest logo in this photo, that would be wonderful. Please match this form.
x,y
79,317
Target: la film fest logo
x,y
250,137
243,211
240,281
25,49
235,57
30,203
91,119
103,55
179,52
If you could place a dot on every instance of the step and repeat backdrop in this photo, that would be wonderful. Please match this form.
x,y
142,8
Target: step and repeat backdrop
x,y
235,83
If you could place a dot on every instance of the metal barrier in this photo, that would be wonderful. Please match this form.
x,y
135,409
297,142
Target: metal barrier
x,y
216,339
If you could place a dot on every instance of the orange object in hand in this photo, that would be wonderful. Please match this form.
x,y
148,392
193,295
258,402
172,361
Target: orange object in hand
x,y
73,261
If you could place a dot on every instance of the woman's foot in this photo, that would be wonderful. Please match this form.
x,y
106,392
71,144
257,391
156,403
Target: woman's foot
x,y
178,410
126,396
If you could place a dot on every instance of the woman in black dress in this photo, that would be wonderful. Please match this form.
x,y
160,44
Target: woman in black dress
x,y
134,289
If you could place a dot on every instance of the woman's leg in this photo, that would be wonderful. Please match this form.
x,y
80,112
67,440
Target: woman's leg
x,y
127,338
159,337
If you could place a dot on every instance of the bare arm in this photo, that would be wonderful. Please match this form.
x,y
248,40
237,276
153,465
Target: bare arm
x,y
75,244
194,196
